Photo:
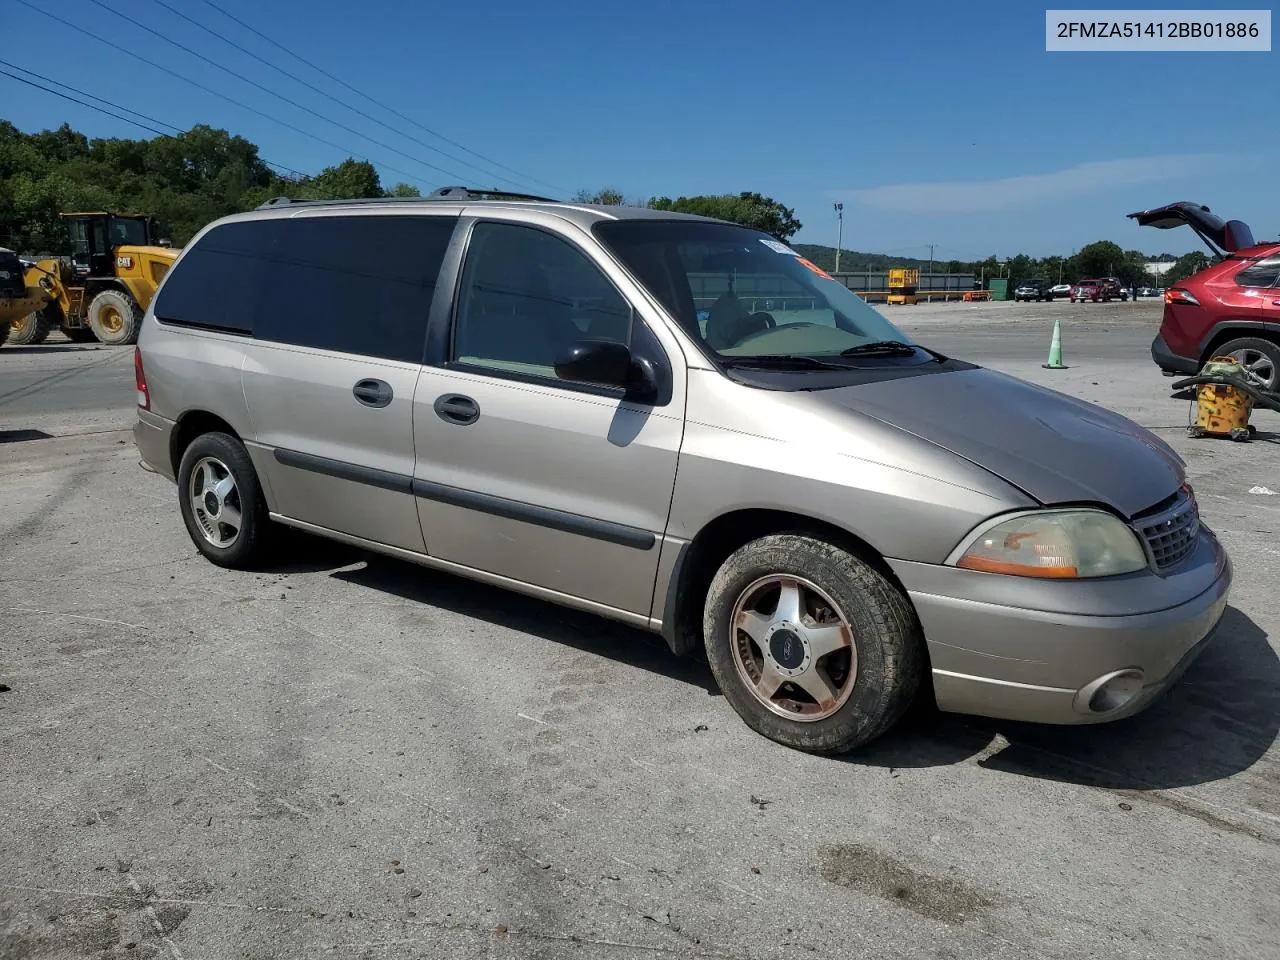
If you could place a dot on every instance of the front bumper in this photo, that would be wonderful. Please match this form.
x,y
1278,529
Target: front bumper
x,y
1049,661
152,434
1166,359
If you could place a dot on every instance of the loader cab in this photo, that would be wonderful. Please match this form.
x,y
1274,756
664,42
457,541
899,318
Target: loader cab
x,y
94,237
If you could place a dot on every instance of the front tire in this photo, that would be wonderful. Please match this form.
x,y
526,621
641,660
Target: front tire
x,y
30,330
115,317
222,503
811,646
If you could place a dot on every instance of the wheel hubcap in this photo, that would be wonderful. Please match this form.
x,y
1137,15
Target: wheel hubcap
x,y
215,502
1257,363
111,320
793,647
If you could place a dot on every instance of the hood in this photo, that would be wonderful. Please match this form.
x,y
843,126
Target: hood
x,y
1053,447
1222,236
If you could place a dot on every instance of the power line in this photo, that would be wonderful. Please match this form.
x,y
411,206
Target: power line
x,y
265,89
329,96
82,103
144,126
210,90
373,100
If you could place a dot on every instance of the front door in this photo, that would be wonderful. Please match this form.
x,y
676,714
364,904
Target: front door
x,y
519,473
329,378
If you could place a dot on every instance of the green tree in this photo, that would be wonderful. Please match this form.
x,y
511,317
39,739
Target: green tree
x,y
404,190
1100,259
608,197
349,180
749,209
1183,267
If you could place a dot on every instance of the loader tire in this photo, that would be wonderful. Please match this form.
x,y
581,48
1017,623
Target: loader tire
x,y
29,330
115,317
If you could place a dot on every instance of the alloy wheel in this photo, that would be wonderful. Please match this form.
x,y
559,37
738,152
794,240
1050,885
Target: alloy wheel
x,y
793,647
215,502
1257,363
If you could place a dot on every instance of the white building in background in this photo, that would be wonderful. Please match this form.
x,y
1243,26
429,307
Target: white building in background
x,y
1158,268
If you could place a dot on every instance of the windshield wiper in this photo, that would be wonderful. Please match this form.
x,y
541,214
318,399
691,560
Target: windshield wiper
x,y
880,348
782,361
891,348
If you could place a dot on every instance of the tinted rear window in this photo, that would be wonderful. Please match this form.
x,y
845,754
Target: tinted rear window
x,y
1264,273
354,284
214,285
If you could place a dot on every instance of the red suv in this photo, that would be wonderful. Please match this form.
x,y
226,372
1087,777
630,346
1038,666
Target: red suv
x,y
1231,307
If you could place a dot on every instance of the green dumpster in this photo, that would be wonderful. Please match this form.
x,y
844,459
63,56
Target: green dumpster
x,y
999,287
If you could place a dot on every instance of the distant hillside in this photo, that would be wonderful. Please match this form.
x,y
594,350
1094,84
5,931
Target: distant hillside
x,y
855,261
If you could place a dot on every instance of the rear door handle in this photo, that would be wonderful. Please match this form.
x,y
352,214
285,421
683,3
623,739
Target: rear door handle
x,y
1275,303
455,408
373,393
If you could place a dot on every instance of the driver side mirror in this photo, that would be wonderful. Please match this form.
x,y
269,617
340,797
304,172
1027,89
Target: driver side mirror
x,y
607,363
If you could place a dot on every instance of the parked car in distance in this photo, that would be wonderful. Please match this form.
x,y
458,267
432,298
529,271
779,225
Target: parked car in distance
x,y
1230,308
1104,289
836,516
1059,290
1031,290
1083,290
1118,289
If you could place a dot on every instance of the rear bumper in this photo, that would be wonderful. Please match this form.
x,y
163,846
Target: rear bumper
x,y
1016,663
152,435
1166,359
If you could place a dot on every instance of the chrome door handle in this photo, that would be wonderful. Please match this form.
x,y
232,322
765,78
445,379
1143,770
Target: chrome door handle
x,y
373,393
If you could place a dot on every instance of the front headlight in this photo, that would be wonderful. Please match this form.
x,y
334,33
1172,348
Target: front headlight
x,y
1064,544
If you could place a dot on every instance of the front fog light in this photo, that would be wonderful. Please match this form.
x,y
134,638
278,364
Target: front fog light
x,y
1062,544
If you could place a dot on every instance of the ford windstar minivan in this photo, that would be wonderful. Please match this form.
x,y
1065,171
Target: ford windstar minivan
x,y
682,424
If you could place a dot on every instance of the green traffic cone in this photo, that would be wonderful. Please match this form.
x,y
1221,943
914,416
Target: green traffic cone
x,y
1055,349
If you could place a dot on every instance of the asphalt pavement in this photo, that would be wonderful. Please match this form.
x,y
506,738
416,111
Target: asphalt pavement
x,y
350,756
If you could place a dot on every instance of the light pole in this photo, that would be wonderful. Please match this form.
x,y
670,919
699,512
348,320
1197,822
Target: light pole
x,y
839,231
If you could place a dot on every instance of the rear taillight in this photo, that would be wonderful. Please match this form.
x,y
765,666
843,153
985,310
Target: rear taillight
x,y
1178,295
140,380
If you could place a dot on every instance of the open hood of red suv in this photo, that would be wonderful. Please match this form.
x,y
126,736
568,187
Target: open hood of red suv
x,y
1223,236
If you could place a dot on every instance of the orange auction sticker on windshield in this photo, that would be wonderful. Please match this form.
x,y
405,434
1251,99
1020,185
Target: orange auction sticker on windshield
x,y
815,268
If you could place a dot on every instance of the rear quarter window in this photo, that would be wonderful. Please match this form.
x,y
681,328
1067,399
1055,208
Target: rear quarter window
x,y
214,285
1263,273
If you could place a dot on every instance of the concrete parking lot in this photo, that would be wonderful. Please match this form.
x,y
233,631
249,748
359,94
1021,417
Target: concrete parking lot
x,y
350,756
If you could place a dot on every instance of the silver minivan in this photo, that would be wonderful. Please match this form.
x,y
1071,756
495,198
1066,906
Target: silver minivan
x,y
682,424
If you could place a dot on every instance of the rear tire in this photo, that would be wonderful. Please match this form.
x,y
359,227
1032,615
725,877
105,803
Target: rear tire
x,y
868,682
114,317
1261,356
222,503
29,330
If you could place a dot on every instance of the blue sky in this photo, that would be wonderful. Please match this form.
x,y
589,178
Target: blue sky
x,y
948,124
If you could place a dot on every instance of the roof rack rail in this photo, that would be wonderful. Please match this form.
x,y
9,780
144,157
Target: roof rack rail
x,y
470,193
444,193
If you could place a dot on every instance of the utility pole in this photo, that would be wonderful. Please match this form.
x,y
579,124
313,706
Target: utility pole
x,y
931,259
839,207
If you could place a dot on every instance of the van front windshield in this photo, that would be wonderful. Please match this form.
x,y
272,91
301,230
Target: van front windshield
x,y
743,294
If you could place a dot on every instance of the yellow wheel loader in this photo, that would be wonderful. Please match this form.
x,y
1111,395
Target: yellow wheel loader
x,y
116,264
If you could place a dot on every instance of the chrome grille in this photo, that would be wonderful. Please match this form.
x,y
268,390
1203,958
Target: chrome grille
x,y
1170,535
